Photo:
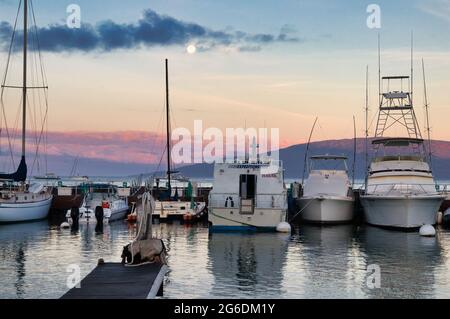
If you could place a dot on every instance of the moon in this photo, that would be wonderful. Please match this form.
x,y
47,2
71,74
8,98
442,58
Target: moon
x,y
191,49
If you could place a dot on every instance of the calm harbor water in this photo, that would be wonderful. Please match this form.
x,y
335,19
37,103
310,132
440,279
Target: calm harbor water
x,y
314,262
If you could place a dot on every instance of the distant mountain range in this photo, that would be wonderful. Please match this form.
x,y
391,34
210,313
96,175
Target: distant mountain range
x,y
293,158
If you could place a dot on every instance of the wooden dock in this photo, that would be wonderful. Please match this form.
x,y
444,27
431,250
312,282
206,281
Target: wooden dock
x,y
116,281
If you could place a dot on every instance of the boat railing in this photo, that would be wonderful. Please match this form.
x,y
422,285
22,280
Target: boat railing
x,y
233,200
389,158
386,189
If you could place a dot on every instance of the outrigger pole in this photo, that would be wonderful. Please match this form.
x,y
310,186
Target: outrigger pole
x,y
430,157
307,150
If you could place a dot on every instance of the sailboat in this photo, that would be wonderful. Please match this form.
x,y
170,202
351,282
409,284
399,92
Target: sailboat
x,y
400,188
20,202
169,206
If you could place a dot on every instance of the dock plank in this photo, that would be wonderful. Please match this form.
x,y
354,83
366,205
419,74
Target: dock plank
x,y
116,281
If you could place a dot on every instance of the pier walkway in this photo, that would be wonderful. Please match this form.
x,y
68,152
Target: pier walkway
x,y
116,281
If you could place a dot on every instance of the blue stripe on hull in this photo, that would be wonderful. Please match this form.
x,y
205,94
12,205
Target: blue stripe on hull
x,y
222,229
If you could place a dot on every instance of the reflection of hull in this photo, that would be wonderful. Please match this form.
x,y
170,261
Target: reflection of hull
x,y
24,212
247,264
176,209
407,262
66,202
326,209
401,211
334,237
87,216
230,219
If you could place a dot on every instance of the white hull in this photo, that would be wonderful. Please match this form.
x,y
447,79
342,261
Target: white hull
x,y
24,212
232,219
326,209
88,216
401,211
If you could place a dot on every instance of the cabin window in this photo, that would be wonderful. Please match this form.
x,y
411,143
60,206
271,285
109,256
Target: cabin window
x,y
25,198
247,186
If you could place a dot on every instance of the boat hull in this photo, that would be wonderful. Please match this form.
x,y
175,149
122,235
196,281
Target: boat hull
x,y
88,216
24,212
263,220
401,211
326,210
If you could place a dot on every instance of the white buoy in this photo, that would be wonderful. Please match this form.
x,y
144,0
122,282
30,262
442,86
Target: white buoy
x,y
284,227
427,231
65,225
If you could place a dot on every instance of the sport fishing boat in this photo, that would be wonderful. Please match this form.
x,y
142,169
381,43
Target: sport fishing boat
x,y
400,188
19,201
247,196
401,191
327,191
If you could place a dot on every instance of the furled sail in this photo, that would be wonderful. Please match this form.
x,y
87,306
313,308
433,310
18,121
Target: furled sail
x,y
20,175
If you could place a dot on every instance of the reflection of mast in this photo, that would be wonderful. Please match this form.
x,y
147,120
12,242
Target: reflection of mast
x,y
20,259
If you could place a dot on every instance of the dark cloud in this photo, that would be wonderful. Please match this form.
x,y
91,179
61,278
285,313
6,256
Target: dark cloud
x,y
152,29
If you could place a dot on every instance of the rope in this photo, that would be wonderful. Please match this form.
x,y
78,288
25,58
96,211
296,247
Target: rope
x,y
301,210
8,61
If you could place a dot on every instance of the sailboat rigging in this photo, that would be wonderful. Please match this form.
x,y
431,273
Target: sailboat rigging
x,y
166,204
22,202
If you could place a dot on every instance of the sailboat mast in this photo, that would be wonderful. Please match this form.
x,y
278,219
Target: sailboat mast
x,y
168,127
24,89
412,68
367,123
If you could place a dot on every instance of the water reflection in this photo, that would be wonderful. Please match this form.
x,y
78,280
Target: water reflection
x,y
14,241
407,261
249,265
315,262
35,256
325,262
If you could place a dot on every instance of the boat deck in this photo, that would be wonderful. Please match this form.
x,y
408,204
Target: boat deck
x,y
116,281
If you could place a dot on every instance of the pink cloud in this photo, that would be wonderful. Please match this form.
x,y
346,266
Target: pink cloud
x,y
119,146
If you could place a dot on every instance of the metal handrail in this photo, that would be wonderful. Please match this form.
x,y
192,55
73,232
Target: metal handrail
x,y
219,200
404,188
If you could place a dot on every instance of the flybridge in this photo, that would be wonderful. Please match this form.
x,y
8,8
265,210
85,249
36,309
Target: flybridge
x,y
398,98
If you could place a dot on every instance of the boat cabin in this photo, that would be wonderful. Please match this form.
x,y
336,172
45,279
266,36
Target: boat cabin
x,y
248,186
328,174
